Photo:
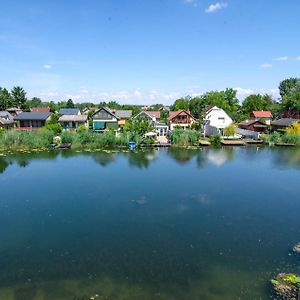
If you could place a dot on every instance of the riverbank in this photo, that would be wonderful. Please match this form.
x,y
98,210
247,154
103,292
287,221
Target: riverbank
x,y
40,140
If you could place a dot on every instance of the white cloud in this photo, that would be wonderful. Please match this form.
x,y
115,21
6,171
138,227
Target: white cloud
x,y
216,6
47,67
242,93
266,66
298,57
282,58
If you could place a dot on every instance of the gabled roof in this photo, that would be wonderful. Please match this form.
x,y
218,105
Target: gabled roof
x,y
153,114
107,110
208,108
150,114
285,122
262,114
6,118
33,116
69,111
73,118
40,109
251,122
123,114
174,114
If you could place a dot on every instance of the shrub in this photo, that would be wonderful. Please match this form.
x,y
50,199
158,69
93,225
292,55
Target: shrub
x,y
230,130
55,127
215,140
187,137
81,128
294,129
67,137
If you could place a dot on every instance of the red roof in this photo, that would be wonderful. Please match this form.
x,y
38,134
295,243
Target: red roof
x,y
40,109
153,114
174,114
262,114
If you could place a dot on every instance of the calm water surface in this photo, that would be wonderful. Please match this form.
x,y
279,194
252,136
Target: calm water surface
x,y
169,224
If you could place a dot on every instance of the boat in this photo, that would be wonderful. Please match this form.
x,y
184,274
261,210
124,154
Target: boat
x,y
64,146
132,145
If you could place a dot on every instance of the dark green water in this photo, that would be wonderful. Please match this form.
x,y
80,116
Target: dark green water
x,y
169,224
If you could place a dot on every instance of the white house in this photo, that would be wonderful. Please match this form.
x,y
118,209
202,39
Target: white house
x,y
215,120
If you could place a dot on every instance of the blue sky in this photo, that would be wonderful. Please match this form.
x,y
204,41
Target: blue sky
x,y
150,51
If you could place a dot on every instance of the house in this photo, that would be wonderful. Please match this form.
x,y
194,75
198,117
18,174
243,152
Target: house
x,y
253,125
6,120
123,115
69,122
69,111
180,118
263,115
14,111
283,123
32,120
104,119
154,118
152,115
40,109
215,120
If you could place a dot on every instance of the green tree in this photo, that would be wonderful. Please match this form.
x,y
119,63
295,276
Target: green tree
x,y
292,102
289,86
113,105
5,99
181,103
19,97
35,102
139,126
70,104
256,102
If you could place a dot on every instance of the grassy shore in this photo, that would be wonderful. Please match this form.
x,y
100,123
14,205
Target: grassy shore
x,y
13,140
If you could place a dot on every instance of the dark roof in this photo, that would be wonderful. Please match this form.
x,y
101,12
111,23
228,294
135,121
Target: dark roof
x,y
285,122
6,118
33,116
250,122
123,114
208,108
68,111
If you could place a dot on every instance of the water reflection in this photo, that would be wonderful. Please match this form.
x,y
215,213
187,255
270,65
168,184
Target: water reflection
x,y
280,157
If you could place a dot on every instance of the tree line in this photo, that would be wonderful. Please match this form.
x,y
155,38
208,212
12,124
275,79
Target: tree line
x,y
289,90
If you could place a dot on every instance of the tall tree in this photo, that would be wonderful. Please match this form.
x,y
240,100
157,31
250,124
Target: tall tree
x,y
257,102
5,99
19,97
70,104
181,103
289,86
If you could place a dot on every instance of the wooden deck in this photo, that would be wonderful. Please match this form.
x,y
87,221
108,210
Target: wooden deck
x,y
204,143
232,143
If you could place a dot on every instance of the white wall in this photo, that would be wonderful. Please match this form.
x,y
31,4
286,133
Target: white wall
x,y
218,118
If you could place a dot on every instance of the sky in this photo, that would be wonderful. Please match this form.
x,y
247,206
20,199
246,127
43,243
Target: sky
x,y
147,51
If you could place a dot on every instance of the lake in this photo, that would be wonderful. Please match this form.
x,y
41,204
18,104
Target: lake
x,y
165,224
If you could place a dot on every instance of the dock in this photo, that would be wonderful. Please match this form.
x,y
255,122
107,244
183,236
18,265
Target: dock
x,y
204,143
232,143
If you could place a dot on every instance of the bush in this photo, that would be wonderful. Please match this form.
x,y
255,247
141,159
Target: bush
x,y
55,127
81,128
67,137
27,140
294,129
230,130
185,137
291,138
215,140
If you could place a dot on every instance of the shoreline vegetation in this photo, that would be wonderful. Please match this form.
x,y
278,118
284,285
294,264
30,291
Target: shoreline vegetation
x,y
14,140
